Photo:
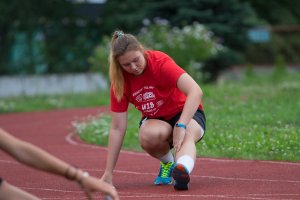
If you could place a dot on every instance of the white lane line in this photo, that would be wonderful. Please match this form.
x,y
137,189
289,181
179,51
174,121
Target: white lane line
x,y
199,176
151,195
9,162
274,194
215,177
69,139
199,196
51,189
196,176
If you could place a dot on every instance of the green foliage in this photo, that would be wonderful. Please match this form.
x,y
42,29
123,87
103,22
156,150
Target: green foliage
x,y
45,37
249,72
280,67
256,120
95,129
215,65
28,14
23,19
124,15
189,46
281,11
285,41
68,47
229,20
52,37
285,44
99,59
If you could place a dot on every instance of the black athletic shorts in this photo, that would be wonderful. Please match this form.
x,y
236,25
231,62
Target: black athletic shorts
x,y
199,117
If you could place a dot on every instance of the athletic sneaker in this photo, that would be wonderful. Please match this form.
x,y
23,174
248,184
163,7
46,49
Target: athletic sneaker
x,y
164,176
181,177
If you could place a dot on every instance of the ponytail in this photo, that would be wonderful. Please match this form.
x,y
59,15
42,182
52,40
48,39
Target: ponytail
x,y
120,43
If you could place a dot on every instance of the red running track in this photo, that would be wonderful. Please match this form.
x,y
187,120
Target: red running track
x,y
135,172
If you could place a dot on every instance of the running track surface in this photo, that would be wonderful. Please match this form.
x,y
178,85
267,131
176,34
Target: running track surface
x,y
134,174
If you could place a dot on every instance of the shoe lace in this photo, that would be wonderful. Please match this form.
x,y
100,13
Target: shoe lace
x,y
165,169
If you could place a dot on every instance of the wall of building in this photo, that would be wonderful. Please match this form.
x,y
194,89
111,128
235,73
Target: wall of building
x,y
51,84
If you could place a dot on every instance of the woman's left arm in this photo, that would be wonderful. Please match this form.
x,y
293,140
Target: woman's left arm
x,y
194,94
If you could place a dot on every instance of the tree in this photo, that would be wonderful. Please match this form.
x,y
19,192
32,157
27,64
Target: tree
x,y
122,14
283,12
283,16
27,16
229,20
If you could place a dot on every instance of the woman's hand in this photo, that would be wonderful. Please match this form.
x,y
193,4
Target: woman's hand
x,y
178,137
91,184
107,177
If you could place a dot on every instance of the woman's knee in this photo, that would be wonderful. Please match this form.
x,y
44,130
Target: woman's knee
x,y
152,136
194,131
148,138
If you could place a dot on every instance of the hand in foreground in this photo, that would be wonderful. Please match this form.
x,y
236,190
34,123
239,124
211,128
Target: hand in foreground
x,y
91,184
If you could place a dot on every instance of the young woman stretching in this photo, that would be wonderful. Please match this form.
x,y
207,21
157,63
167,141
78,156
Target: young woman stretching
x,y
170,103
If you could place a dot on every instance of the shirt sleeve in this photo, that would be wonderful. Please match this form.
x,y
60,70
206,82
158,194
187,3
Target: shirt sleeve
x,y
118,106
170,72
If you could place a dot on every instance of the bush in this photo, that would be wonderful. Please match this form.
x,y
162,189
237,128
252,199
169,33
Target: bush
x,y
190,46
98,61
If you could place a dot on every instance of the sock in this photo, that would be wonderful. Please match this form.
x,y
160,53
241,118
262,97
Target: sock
x,y
167,158
186,161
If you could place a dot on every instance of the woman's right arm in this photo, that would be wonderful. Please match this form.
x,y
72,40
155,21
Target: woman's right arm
x,y
116,136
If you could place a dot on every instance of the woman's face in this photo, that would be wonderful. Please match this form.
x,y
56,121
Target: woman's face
x,y
133,62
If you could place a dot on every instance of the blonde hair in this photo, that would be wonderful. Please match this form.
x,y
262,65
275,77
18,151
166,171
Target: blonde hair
x,y
120,44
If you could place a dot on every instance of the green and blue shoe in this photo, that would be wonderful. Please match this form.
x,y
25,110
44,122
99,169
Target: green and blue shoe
x,y
164,176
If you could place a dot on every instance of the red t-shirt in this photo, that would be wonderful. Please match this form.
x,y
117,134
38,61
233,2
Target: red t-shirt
x,y
155,91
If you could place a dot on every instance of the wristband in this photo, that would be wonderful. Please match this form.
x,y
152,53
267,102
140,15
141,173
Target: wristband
x,y
180,125
84,175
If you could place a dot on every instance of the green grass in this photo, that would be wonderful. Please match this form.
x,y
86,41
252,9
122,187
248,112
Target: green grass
x,y
256,119
43,102
260,120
